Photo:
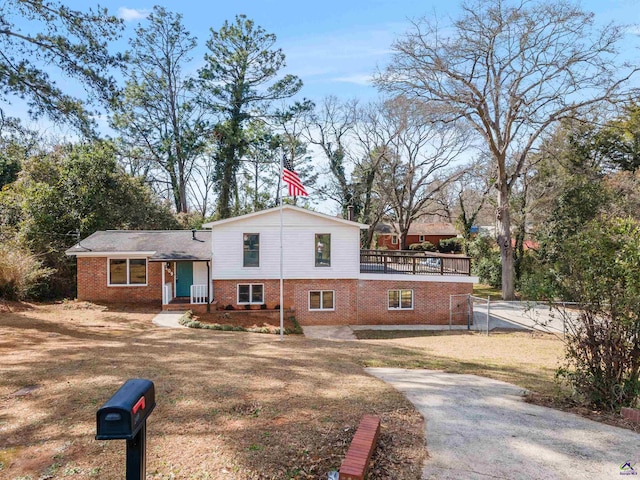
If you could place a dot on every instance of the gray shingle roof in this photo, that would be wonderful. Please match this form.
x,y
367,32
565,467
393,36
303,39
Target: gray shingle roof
x,y
166,244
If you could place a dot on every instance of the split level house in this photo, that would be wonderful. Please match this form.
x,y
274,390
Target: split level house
x,y
235,264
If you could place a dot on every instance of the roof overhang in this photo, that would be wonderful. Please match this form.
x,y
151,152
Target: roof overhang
x,y
112,254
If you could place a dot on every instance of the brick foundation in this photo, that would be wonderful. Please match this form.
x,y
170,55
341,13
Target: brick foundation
x,y
357,302
430,303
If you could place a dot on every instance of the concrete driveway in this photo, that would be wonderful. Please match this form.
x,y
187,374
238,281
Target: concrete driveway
x,y
478,428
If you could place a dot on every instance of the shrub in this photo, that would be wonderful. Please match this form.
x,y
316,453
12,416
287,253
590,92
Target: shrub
x,y
486,263
450,245
599,267
21,272
423,247
229,307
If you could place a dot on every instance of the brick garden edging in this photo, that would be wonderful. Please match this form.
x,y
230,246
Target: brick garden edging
x,y
356,462
631,414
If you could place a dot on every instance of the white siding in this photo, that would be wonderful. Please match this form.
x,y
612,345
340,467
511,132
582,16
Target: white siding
x,y
299,247
199,273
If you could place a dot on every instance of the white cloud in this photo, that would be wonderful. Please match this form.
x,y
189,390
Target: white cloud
x,y
131,14
634,30
358,79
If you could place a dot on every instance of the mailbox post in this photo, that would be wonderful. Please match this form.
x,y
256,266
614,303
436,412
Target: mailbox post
x,y
124,417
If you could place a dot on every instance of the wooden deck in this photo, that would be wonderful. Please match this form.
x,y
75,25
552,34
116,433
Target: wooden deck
x,y
413,263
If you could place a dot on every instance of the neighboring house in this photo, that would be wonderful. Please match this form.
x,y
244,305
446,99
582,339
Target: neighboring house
x,y
328,280
388,236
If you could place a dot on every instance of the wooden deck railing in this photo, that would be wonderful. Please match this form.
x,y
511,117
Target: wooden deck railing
x,y
415,263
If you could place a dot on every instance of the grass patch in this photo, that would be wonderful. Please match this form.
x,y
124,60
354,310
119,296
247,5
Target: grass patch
x,y
393,334
484,291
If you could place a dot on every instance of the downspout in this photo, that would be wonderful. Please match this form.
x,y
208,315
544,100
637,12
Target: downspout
x,y
208,287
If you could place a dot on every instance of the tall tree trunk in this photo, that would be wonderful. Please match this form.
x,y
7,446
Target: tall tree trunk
x,y
503,223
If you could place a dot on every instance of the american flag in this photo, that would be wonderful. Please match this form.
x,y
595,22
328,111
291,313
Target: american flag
x,y
292,179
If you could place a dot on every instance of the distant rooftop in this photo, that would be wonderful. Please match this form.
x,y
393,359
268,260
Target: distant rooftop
x,y
441,228
160,244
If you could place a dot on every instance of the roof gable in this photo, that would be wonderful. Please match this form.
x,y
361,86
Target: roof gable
x,y
285,208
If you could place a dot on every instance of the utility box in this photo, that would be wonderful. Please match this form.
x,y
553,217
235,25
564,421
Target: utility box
x,y
124,417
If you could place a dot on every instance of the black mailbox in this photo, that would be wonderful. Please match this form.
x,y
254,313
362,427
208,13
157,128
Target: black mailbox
x,y
126,411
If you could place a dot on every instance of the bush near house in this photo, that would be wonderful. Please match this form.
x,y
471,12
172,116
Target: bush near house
x,y
450,245
423,247
21,272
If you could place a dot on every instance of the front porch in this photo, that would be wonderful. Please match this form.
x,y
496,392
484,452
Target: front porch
x,y
186,285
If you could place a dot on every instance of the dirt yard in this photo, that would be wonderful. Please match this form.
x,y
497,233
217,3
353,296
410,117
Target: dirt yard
x,y
229,405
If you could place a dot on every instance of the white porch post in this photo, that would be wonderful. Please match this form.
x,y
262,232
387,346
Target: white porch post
x,y
164,296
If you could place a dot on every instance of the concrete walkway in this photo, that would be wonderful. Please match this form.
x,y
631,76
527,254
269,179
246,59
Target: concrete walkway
x,y
478,428
168,319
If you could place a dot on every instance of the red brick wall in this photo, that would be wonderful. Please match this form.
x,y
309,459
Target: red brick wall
x,y
296,296
430,302
92,284
361,302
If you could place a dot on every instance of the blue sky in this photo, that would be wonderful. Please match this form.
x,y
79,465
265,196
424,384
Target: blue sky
x,y
333,46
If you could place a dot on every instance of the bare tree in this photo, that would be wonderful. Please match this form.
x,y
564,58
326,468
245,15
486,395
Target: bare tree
x,y
354,139
414,169
511,71
331,128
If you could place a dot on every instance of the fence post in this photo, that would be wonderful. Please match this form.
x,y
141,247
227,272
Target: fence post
x,y
469,312
450,310
488,311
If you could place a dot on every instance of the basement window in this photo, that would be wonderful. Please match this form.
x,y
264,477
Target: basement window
x,y
400,299
321,300
250,293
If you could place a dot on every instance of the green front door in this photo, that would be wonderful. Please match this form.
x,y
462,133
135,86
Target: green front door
x,y
184,279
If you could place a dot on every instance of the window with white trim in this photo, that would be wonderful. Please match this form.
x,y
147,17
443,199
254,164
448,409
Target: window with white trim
x,y
251,250
421,238
400,299
127,272
250,293
323,249
394,239
321,300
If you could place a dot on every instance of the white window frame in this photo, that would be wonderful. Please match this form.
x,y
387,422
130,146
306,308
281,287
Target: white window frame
x,y
400,290
322,309
315,249
394,239
128,284
421,238
259,250
251,285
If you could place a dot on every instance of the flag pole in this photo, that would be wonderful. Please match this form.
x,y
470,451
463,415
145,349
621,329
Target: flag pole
x,y
281,254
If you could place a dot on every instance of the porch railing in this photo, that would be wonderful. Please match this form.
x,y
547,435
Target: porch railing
x,y
167,293
198,294
415,263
